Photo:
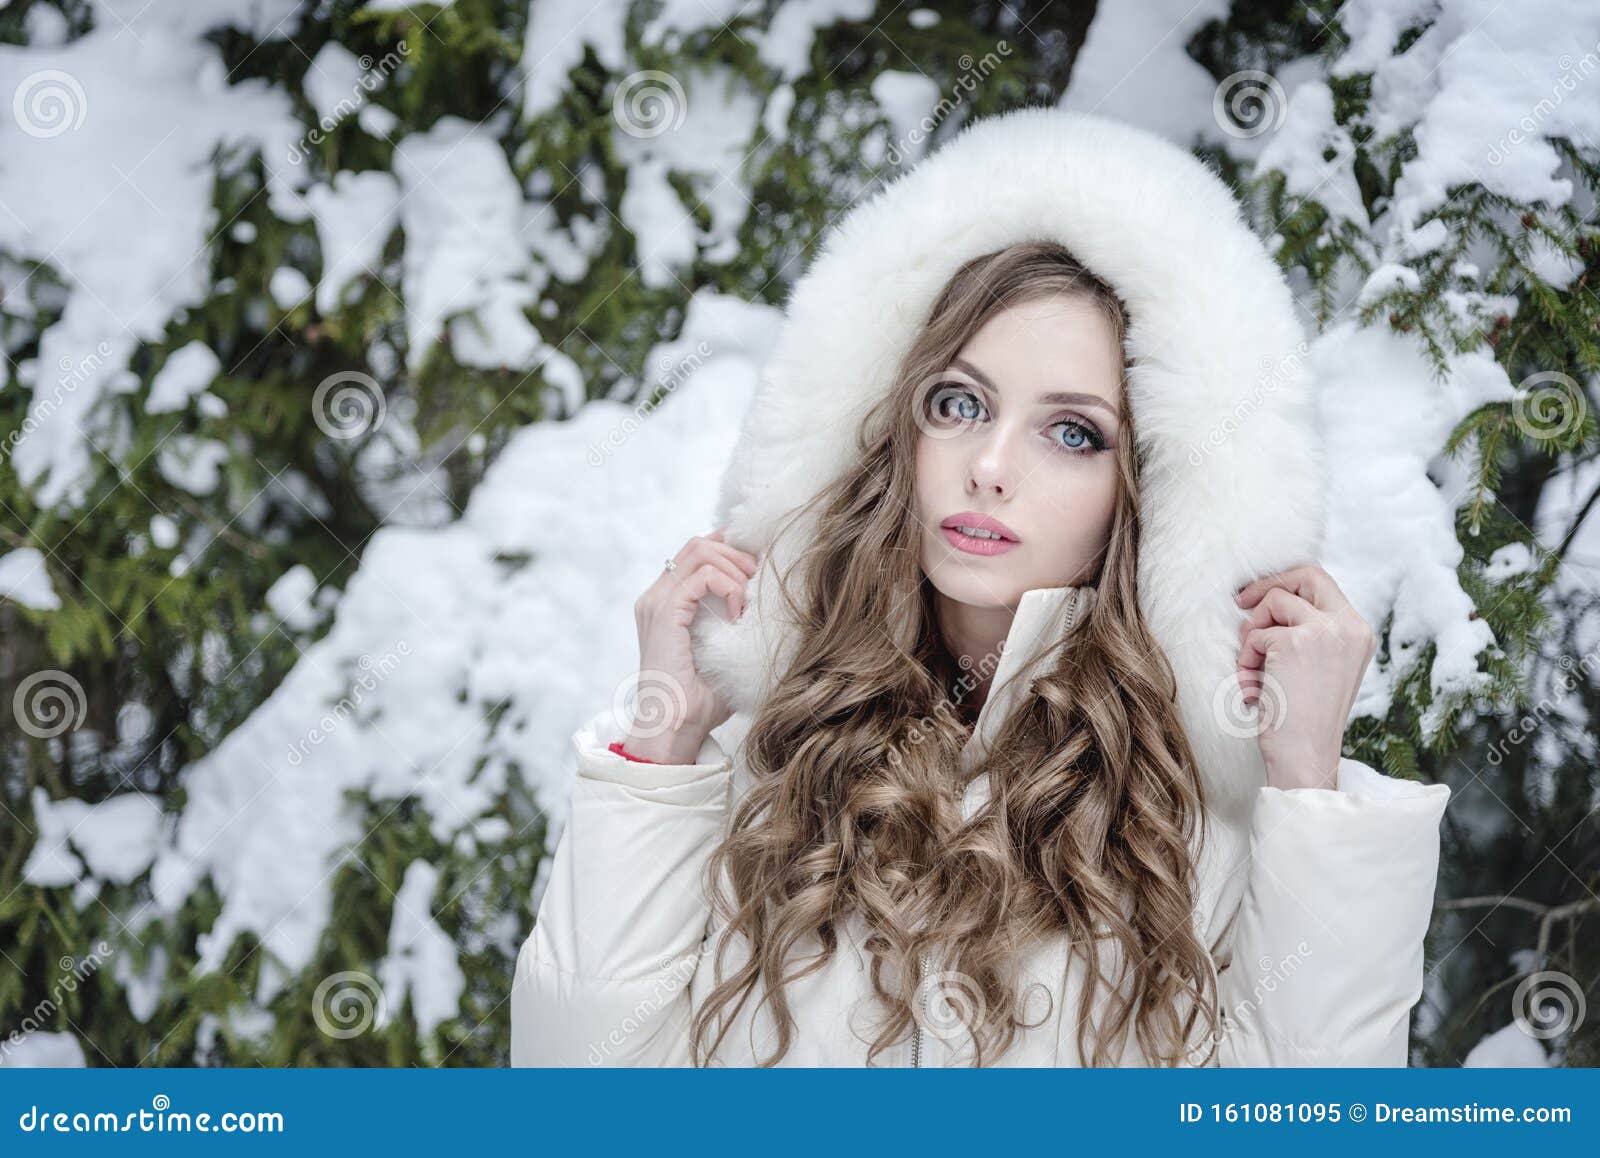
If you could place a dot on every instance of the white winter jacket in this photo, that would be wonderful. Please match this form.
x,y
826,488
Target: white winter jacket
x,y
1314,902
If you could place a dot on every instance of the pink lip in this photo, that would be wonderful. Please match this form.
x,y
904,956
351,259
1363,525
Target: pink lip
x,y
975,546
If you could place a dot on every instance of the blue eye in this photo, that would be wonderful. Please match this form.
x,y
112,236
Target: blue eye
x,y
1082,438
967,407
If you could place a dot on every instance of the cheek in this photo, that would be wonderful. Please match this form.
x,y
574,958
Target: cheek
x,y
932,472
1082,504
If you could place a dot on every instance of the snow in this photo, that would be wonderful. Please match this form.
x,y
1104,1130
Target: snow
x,y
354,216
439,676
676,19
142,986
720,112
24,580
1486,86
786,45
288,287
422,956
290,598
192,463
1507,1048
1391,542
1298,150
187,371
116,838
558,33
163,532
42,1050
462,209
153,107
908,100
333,77
1133,66
436,628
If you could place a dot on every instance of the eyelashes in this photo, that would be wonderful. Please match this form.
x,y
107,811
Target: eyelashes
x,y
955,403
1095,441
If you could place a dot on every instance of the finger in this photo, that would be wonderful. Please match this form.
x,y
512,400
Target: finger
x,y
1252,659
709,579
708,551
1278,607
1255,645
1309,581
699,551
743,559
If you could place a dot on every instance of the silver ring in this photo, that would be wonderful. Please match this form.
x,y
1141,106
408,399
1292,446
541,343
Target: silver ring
x,y
672,564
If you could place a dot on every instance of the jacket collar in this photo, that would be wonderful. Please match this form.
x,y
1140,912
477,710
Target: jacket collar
x,y
1044,615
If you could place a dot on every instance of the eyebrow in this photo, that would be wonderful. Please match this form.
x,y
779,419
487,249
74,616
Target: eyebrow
x,y
1056,398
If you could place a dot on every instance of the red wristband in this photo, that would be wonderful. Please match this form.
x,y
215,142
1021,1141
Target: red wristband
x,y
616,746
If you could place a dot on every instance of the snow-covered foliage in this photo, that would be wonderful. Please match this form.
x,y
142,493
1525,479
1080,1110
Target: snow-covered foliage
x,y
361,362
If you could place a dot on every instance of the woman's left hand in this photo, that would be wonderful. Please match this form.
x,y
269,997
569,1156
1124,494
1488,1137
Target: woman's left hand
x,y
1302,652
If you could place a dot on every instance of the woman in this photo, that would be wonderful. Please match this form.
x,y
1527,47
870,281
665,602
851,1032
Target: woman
x,y
1072,795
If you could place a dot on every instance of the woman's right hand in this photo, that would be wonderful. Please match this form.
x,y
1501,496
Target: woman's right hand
x,y
676,708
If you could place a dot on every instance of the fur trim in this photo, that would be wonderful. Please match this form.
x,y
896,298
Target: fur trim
x,y
1233,478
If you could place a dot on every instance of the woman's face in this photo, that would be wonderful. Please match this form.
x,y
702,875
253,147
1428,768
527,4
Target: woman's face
x,y
1021,429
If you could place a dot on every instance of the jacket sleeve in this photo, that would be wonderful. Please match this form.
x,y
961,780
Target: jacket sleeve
x,y
603,979
1327,946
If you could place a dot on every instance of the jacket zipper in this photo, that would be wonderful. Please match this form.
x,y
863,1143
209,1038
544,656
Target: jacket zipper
x,y
922,988
922,978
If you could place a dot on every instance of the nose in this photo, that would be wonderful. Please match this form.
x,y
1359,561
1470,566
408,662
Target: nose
x,y
989,469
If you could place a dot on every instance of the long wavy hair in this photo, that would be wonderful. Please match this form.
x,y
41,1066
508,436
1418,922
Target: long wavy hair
x,y
856,776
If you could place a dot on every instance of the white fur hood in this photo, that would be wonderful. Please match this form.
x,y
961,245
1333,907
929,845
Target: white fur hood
x,y
1233,481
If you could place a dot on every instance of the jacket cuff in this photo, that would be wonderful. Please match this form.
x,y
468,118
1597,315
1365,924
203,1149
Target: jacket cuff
x,y
1328,957
597,762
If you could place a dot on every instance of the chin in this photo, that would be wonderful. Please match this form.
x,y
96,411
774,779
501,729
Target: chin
x,y
988,588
